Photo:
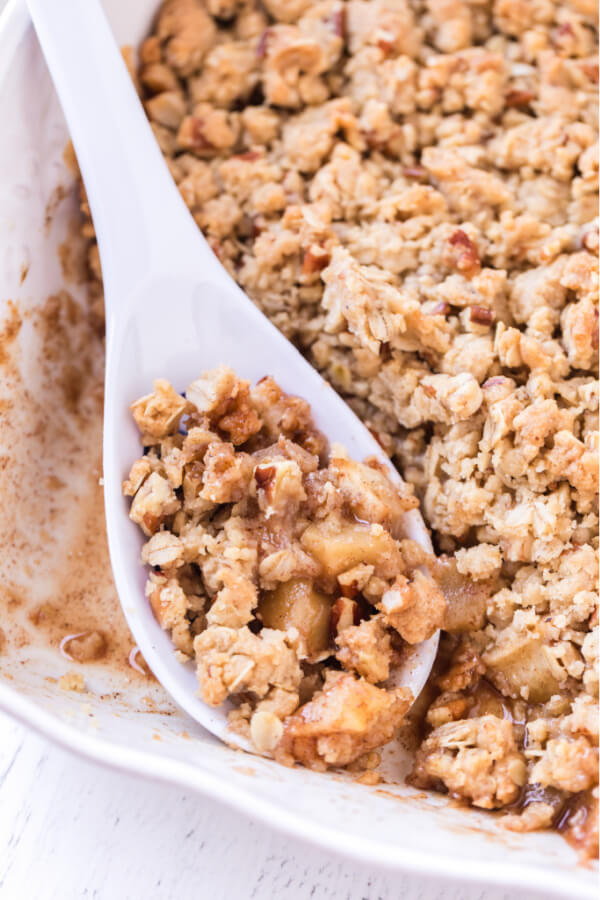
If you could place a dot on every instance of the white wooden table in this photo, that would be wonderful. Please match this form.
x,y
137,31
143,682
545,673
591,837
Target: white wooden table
x,y
71,830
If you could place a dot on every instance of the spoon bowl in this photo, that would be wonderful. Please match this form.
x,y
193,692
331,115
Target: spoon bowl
x,y
171,311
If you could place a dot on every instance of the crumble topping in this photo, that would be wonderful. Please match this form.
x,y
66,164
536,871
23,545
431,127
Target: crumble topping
x,y
408,189
345,720
278,565
474,758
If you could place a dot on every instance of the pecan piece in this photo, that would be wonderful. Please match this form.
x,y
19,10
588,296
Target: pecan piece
x,y
519,99
315,260
264,476
481,316
261,47
386,43
344,613
152,523
467,258
248,156
338,21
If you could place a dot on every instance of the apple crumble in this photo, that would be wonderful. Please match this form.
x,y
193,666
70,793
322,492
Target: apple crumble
x,y
408,190
278,565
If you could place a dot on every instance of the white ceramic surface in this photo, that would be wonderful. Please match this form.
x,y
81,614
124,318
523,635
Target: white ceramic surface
x,y
133,726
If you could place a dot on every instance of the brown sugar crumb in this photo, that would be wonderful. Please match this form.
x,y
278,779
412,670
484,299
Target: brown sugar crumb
x,y
254,544
370,778
72,681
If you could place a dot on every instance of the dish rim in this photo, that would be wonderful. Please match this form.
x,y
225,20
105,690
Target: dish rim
x,y
14,24
181,774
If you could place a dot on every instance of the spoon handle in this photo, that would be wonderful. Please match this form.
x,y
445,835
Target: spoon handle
x,y
140,218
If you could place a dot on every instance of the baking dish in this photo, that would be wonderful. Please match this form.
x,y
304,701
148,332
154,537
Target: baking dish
x,y
122,719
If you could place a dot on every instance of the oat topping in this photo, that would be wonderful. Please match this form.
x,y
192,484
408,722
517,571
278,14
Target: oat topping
x,y
473,758
408,189
273,561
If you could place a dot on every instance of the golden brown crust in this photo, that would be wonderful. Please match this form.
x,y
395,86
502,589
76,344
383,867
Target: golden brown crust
x,y
473,758
419,216
264,550
341,723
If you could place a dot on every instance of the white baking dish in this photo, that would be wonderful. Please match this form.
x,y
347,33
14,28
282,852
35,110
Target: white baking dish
x,y
123,720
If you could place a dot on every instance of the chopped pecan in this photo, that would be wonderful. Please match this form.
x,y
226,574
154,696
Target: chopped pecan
x,y
248,156
338,21
589,240
563,30
385,351
197,139
590,70
481,316
151,522
386,44
467,259
344,613
519,99
261,47
264,476
350,590
315,260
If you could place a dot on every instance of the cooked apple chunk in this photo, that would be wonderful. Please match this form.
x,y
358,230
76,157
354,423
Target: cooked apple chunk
x,y
338,544
466,600
297,604
521,665
369,492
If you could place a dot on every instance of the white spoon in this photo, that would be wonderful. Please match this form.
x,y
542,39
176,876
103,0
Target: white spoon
x,y
171,311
